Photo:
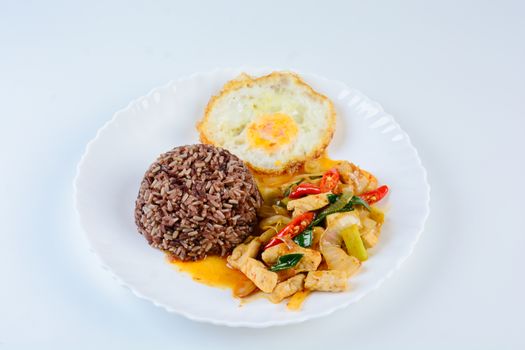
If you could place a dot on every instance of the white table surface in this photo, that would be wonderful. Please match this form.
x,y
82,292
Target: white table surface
x,y
66,68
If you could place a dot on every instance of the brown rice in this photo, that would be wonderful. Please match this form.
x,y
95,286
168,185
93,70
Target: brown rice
x,y
197,200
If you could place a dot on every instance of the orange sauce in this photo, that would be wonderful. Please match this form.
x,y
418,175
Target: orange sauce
x,y
323,163
269,180
213,271
296,301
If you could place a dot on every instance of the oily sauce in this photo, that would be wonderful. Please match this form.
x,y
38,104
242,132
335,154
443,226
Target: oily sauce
x,y
296,301
214,271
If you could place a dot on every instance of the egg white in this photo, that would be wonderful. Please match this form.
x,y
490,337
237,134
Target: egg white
x,y
245,101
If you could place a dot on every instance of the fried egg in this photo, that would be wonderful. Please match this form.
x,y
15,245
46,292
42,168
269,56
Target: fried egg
x,y
274,123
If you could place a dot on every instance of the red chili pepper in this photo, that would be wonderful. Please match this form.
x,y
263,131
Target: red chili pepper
x,y
375,195
330,180
296,226
303,190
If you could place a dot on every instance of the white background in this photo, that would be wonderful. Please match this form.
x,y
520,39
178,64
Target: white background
x,y
452,73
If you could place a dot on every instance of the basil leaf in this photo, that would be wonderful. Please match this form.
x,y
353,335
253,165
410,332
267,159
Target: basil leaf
x,y
332,197
286,262
342,204
337,205
305,238
358,200
316,177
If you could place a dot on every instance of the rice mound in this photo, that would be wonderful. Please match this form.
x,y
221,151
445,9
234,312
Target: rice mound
x,y
195,201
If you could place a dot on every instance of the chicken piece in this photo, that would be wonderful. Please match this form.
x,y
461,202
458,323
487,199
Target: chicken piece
x,y
234,259
337,259
283,275
326,281
243,289
360,180
287,288
369,232
263,278
369,238
242,258
370,228
243,251
309,262
308,203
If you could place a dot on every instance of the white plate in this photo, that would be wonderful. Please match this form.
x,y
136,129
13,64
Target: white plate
x,y
112,167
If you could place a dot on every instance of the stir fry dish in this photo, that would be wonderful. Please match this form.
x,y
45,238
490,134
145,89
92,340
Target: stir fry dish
x,y
258,207
316,230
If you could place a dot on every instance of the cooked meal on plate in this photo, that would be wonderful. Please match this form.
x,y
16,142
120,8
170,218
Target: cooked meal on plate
x,y
258,206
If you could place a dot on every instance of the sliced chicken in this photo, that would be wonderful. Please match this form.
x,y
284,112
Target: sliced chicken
x,y
283,275
370,228
326,281
360,180
263,278
287,288
369,232
308,203
309,262
369,238
243,251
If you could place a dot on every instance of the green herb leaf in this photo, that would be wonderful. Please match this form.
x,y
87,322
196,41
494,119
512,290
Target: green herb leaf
x,y
358,200
305,238
337,205
286,262
316,177
340,207
342,204
332,197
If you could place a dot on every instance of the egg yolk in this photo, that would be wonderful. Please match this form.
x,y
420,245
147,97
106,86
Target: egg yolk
x,y
269,132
